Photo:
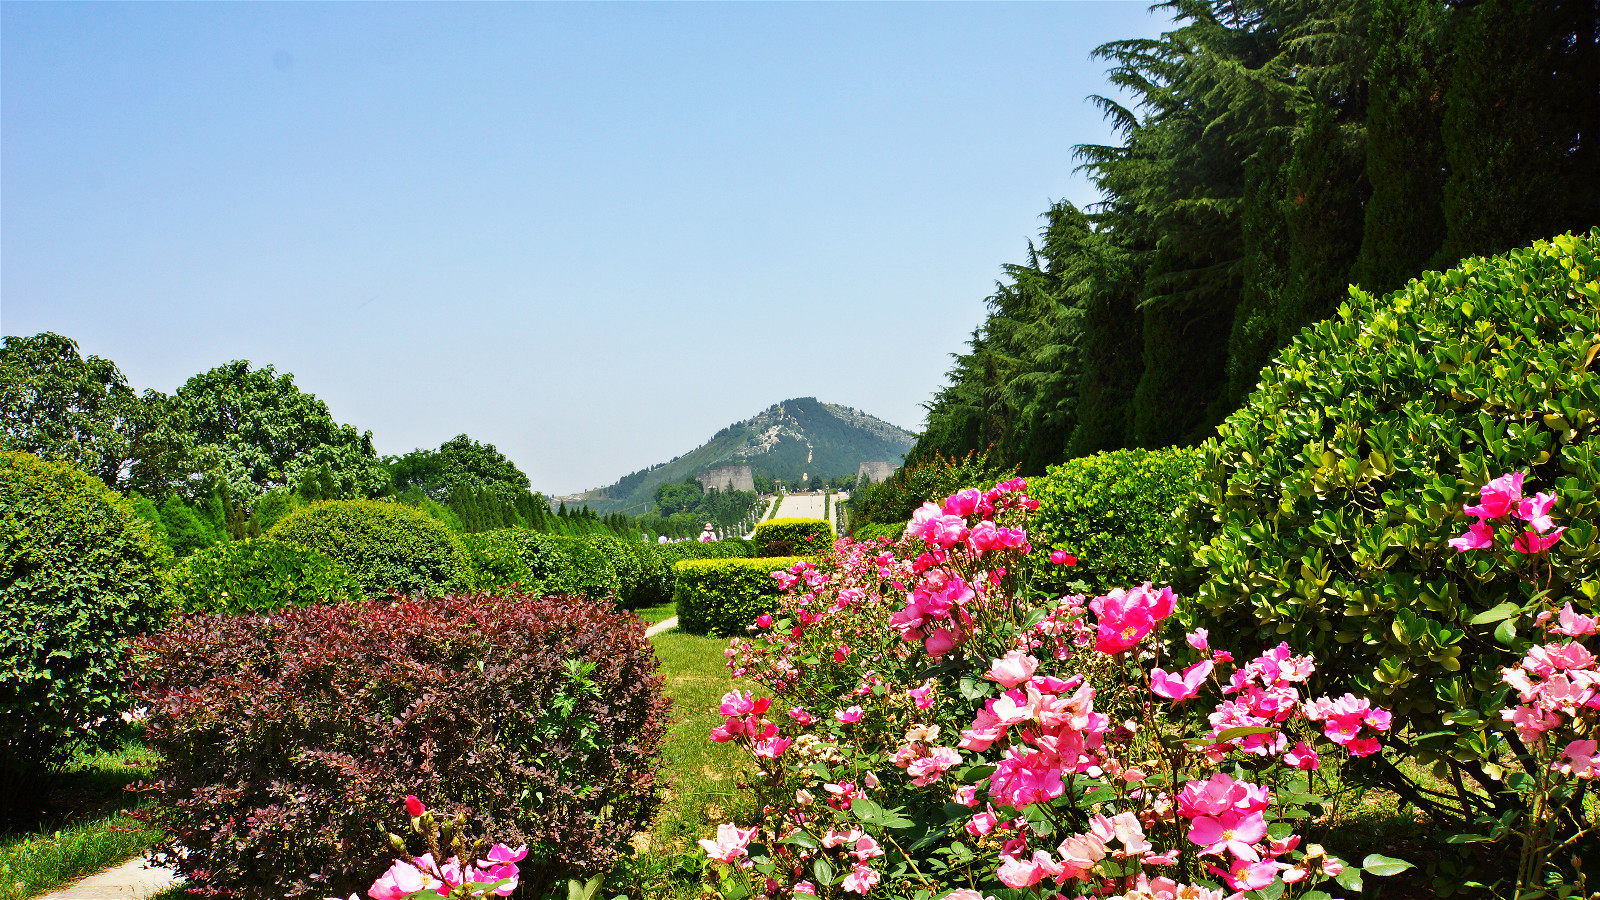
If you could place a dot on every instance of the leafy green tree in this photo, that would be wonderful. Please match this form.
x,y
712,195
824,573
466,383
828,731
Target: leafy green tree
x,y
460,460
56,404
254,430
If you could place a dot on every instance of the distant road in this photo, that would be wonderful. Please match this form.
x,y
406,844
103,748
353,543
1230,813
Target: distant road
x,y
801,506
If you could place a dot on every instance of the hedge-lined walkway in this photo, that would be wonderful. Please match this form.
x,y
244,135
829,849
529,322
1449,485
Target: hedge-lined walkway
x,y
132,880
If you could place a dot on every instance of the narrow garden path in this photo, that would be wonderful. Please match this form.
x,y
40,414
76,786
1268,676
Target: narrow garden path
x,y
131,880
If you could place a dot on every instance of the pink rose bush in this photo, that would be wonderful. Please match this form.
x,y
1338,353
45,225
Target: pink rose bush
x,y
1553,709
978,737
485,872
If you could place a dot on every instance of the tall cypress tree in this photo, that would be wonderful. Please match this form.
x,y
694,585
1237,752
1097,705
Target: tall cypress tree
x,y
1254,337
1519,125
1323,213
1403,225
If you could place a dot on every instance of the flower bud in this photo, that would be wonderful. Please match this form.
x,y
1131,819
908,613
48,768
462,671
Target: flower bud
x,y
414,807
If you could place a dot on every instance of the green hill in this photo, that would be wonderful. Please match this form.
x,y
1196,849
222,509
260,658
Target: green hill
x,y
795,438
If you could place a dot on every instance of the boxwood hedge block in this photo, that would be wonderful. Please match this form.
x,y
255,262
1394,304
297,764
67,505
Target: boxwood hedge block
x,y
385,546
1328,499
1119,513
724,596
260,575
800,535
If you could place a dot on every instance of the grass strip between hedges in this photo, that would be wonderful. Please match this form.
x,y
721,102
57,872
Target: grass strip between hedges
x,y
700,776
34,863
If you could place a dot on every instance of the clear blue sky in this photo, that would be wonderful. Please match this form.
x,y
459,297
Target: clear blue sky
x,y
588,234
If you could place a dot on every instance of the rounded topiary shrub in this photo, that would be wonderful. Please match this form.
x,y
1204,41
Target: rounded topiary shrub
x,y
802,535
386,547
494,560
540,719
724,596
260,575
78,575
1329,498
1119,513
539,563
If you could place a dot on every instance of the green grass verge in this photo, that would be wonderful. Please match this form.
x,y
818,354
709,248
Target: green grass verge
x,y
87,830
653,614
701,777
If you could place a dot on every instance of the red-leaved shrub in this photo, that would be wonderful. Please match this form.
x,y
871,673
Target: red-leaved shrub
x,y
286,738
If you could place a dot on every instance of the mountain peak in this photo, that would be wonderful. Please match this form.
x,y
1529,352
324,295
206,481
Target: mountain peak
x,y
799,437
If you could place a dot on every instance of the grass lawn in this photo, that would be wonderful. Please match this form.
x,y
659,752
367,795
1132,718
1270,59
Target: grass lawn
x,y
654,614
85,830
701,776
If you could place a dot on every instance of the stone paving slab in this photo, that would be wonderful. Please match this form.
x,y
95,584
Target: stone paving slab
x,y
132,880
663,625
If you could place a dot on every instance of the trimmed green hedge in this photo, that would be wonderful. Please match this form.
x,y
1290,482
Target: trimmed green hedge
x,y
260,575
626,559
1329,498
874,530
385,546
670,554
723,596
1119,513
800,536
78,575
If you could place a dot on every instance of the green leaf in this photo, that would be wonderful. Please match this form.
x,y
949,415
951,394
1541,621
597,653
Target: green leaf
x,y
1349,879
1383,866
1241,731
1503,611
823,871
1467,839
801,839
1506,633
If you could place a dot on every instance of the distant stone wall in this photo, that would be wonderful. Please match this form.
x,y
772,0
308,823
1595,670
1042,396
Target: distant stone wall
x,y
727,478
875,470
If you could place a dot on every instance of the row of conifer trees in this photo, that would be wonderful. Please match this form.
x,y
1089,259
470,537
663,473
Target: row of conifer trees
x,y
1272,153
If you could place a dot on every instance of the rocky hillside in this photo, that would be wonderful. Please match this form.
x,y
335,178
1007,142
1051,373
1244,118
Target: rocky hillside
x,y
788,440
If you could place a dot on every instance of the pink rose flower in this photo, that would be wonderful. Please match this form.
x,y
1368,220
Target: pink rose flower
x,y
1479,536
400,881
1126,617
1536,512
860,880
1575,625
1062,558
1181,688
1534,542
1498,497
1578,760
730,843
848,716
1230,831
1302,757
1012,669
963,503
